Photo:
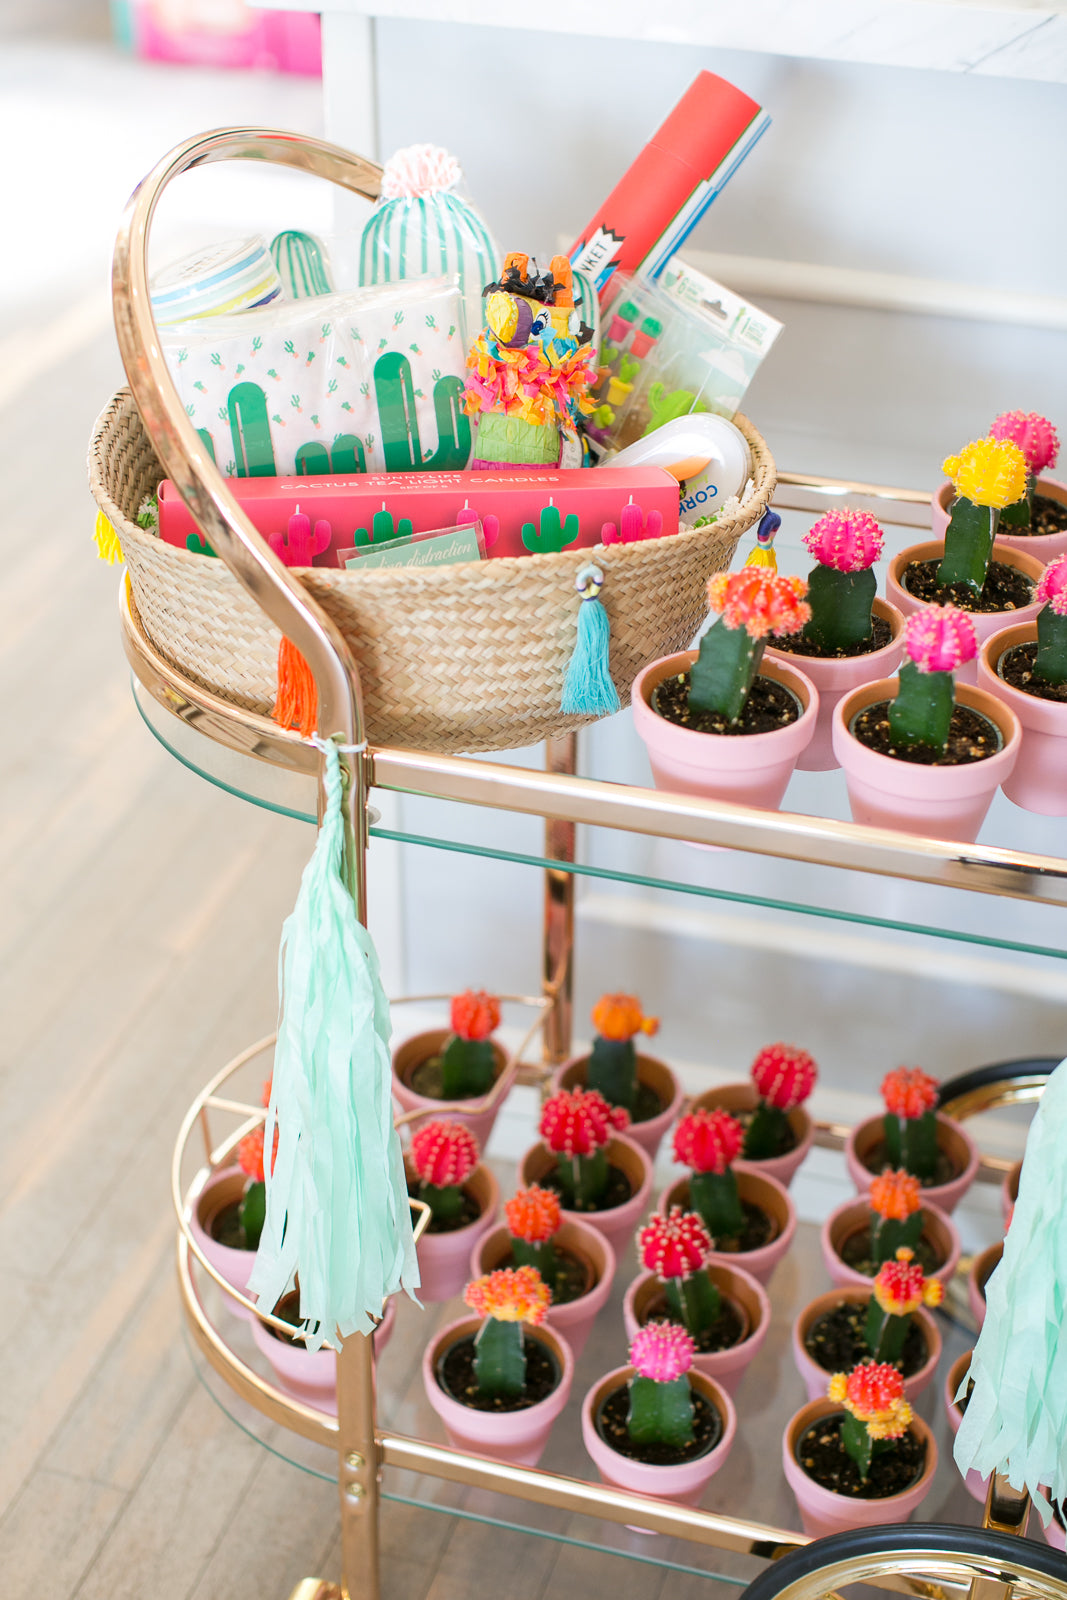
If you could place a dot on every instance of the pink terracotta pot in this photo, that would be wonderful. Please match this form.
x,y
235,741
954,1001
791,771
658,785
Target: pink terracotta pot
x,y
518,1437
985,622
684,1483
983,1266
1055,1534
975,1484
444,1258
1009,1193
575,1318
411,1053
835,679
219,1190
620,1223
1039,780
854,1216
651,1071
311,1375
821,1511
937,802
952,1139
749,1298
816,1378
1044,546
759,1190
749,770
739,1097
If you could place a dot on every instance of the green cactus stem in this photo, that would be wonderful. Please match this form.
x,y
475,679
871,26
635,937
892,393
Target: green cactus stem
x,y
250,429
1050,664
695,1302
859,1444
885,1334
445,1202
889,1234
541,1255
766,1132
553,534
500,1359
714,1195
661,1413
252,1213
911,1142
840,607
722,674
968,544
466,1065
583,1180
1019,514
921,713
612,1070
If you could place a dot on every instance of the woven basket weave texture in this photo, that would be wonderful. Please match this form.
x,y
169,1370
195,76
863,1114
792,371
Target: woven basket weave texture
x,y
464,658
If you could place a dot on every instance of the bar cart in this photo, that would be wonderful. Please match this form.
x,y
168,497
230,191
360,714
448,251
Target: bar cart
x,y
205,730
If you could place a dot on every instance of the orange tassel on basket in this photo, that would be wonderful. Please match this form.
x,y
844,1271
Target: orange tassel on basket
x,y
297,702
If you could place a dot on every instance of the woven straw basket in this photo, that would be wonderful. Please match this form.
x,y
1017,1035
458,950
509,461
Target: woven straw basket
x,y
464,658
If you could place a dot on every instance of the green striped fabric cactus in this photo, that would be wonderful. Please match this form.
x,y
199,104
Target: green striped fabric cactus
x,y
300,261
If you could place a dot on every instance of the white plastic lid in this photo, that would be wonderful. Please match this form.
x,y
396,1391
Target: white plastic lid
x,y
700,436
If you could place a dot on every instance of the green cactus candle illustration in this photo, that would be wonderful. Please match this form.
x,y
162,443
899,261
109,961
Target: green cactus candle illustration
x,y
198,545
395,394
383,529
553,534
250,427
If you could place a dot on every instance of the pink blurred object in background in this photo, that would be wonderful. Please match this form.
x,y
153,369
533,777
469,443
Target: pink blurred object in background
x,y
219,33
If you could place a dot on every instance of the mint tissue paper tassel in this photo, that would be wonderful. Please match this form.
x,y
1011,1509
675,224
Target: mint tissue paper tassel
x,y
587,687
1016,1417
337,1208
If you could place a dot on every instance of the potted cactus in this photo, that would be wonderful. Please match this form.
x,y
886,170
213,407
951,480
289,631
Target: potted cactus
x,y
723,1309
859,1458
1025,665
443,1067
499,1379
722,721
308,1375
750,1216
851,636
983,1267
912,1134
574,1259
444,1171
921,753
659,1426
778,1132
955,1410
888,1322
968,568
859,1236
1037,522
601,1176
643,1085
227,1214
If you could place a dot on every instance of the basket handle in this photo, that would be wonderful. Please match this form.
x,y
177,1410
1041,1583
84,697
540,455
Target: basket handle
x,y
196,477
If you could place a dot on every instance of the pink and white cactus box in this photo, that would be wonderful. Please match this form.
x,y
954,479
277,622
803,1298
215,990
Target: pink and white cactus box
x,y
521,512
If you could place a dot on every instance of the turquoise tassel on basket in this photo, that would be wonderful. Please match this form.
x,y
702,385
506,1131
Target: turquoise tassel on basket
x,y
1016,1417
337,1206
587,688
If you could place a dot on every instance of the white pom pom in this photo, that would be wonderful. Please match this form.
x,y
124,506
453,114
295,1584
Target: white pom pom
x,y
418,171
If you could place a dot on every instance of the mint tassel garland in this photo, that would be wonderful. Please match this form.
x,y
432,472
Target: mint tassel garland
x,y
587,688
337,1208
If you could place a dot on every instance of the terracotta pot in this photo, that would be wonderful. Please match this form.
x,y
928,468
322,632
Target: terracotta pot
x,y
515,1436
1039,780
738,1097
749,1298
834,679
759,1190
748,770
982,1268
1009,1193
822,1511
651,1071
985,622
952,1140
937,802
575,1318
411,1053
854,1216
444,1258
816,1378
311,1375
620,1223
975,1484
1044,546
684,1483
1055,1534
221,1189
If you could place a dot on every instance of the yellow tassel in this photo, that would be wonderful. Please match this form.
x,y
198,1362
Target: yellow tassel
x,y
107,540
763,557
762,554
297,701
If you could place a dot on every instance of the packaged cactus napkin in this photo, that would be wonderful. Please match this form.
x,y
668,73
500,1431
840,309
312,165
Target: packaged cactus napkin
x,y
421,226
368,381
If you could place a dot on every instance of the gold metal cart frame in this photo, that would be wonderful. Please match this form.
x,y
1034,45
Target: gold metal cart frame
x,y
563,800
